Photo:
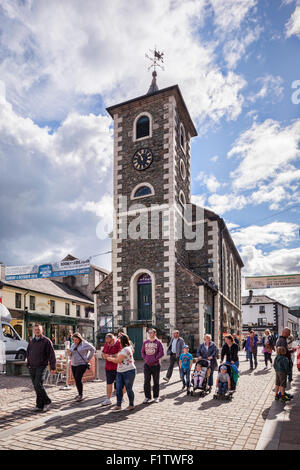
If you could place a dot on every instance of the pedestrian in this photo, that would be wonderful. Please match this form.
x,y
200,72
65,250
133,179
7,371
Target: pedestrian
x,y
292,350
185,364
69,337
126,372
174,350
223,381
282,367
251,347
236,340
230,350
268,347
81,353
244,347
209,351
40,353
152,352
283,341
111,348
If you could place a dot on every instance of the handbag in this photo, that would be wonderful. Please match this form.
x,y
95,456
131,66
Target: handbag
x,y
88,365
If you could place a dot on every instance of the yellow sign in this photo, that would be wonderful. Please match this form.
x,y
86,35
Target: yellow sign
x,y
270,282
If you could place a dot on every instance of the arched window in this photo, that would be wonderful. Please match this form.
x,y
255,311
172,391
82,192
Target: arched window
x,y
224,257
182,198
182,169
143,127
182,137
231,280
142,190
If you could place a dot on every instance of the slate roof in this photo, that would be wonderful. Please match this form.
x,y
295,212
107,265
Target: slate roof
x,y
49,287
259,299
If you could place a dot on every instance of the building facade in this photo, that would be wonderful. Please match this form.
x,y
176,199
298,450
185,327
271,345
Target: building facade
x,y
260,312
53,304
161,241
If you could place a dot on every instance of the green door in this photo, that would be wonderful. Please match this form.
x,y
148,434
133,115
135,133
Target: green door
x,y
136,337
144,287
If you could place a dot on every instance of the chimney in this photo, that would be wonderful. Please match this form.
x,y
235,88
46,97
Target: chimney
x,y
248,301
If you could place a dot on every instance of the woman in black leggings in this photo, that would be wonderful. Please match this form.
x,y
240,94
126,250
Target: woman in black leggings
x,y
81,352
267,342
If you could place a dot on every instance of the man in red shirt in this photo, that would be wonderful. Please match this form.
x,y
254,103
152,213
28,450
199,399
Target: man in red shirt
x,y
111,348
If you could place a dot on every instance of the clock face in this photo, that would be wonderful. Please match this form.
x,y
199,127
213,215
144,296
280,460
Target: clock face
x,y
142,159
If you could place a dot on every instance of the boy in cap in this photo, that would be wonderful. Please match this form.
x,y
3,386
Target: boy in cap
x,y
185,364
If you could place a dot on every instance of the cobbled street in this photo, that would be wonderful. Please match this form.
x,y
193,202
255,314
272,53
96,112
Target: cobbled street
x,y
178,422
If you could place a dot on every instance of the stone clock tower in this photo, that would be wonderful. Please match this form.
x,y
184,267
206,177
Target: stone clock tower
x,y
157,279
152,136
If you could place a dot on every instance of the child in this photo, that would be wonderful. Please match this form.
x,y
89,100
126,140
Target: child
x,y
185,363
223,381
198,376
282,368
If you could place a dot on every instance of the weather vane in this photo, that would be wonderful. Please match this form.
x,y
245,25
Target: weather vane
x,y
155,59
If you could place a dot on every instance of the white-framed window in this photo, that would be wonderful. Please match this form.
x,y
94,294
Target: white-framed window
x,y
142,126
142,190
182,169
182,199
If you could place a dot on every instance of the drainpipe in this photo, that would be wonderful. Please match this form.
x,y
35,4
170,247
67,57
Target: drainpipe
x,y
25,315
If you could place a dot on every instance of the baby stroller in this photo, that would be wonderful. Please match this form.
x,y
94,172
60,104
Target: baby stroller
x,y
233,372
206,371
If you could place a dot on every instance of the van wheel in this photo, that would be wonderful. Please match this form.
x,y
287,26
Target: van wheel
x,y
21,355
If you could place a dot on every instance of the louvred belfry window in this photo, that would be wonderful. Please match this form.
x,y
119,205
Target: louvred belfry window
x,y
143,127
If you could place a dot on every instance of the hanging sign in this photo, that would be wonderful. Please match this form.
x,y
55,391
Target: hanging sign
x,y
268,282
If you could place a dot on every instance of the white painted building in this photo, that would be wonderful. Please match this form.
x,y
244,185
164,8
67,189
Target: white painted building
x,y
260,312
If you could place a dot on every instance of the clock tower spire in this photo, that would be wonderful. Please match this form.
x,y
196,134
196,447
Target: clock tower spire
x,y
156,58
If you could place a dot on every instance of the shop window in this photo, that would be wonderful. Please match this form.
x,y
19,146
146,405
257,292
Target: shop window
x,y
67,309
18,300
32,302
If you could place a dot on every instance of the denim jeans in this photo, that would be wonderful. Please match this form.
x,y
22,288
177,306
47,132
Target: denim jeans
x,y
125,379
185,376
253,355
222,387
38,376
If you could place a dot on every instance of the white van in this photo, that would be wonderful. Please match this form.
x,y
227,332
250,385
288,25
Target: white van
x,y
15,346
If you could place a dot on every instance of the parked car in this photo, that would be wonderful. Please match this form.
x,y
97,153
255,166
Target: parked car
x,y
15,346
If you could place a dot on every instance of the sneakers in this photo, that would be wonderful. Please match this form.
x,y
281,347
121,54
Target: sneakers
x,y
46,408
78,398
129,408
37,409
116,409
188,391
156,400
146,400
106,402
183,387
166,379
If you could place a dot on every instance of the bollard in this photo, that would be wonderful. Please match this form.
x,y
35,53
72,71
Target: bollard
x,y
97,379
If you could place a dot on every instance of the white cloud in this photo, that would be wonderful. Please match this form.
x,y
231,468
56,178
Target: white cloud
x,y
198,199
100,49
293,25
215,158
223,203
274,233
265,149
77,141
229,15
235,48
210,181
270,194
271,86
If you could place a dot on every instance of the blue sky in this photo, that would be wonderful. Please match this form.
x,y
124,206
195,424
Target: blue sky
x,y
62,64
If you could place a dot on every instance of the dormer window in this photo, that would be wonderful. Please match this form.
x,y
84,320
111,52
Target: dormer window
x,y
142,128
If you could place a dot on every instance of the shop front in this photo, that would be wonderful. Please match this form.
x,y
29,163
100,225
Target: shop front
x,y
18,322
57,328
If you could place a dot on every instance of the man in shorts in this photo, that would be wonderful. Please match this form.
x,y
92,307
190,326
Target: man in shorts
x,y
281,366
111,348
